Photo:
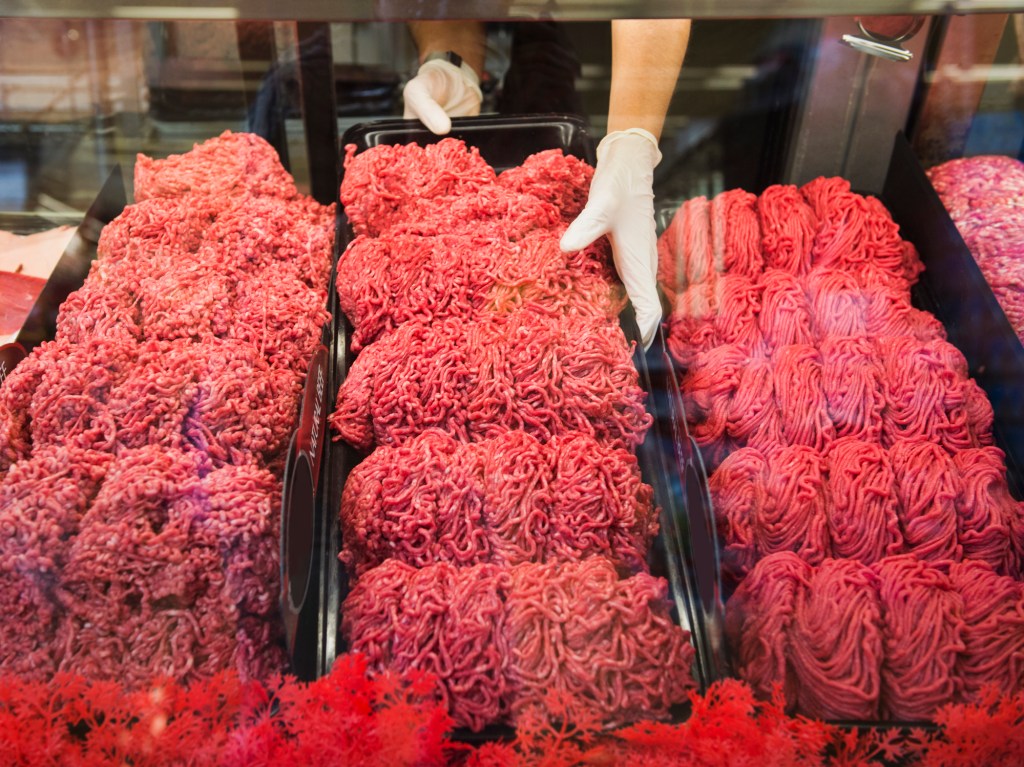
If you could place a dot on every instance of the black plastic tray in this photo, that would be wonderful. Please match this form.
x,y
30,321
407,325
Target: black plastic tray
x,y
505,143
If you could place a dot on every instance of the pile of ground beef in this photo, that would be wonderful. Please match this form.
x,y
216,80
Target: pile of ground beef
x,y
501,639
547,374
894,640
499,531
860,500
141,450
399,278
505,500
843,433
985,197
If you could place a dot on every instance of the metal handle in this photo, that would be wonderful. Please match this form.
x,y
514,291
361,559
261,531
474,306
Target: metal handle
x,y
875,48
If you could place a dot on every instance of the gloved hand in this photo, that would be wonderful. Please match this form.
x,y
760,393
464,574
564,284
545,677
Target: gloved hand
x,y
439,91
621,205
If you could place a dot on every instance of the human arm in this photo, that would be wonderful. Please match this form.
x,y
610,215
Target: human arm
x,y
646,58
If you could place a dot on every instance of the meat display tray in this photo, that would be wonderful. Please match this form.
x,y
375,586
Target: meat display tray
x,y
953,289
667,462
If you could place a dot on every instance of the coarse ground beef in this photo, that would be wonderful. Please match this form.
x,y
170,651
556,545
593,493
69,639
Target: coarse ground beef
x,y
154,232
397,278
224,167
42,499
476,379
140,451
278,314
552,176
501,639
175,552
490,531
190,300
70,398
243,410
378,184
256,232
505,500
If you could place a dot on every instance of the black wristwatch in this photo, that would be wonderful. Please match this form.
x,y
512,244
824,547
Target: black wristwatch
x,y
453,58
449,56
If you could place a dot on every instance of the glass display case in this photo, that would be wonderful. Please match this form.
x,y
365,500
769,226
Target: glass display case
x,y
290,384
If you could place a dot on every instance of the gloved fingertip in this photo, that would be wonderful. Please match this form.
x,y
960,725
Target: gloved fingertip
x,y
439,125
648,322
580,233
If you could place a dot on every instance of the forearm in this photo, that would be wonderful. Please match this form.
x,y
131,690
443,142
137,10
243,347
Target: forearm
x,y
646,58
466,38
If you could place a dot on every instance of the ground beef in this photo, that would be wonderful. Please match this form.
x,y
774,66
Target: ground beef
x,y
836,642
216,396
190,300
896,640
970,184
864,518
993,631
873,502
275,312
377,185
141,449
179,553
985,197
753,417
685,255
42,500
800,397
477,379
788,227
850,408
397,278
927,482
738,301
736,233
499,639
499,391
104,307
447,188
785,318
492,209
259,232
552,176
851,379
243,410
837,302
154,232
986,513
759,622
794,514
70,398
841,353
223,167
922,634
737,489
505,500
151,402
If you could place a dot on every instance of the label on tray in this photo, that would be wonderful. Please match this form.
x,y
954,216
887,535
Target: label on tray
x,y
313,416
10,355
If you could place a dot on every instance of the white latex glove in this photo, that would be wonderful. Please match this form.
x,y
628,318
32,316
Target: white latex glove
x,y
621,205
439,91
